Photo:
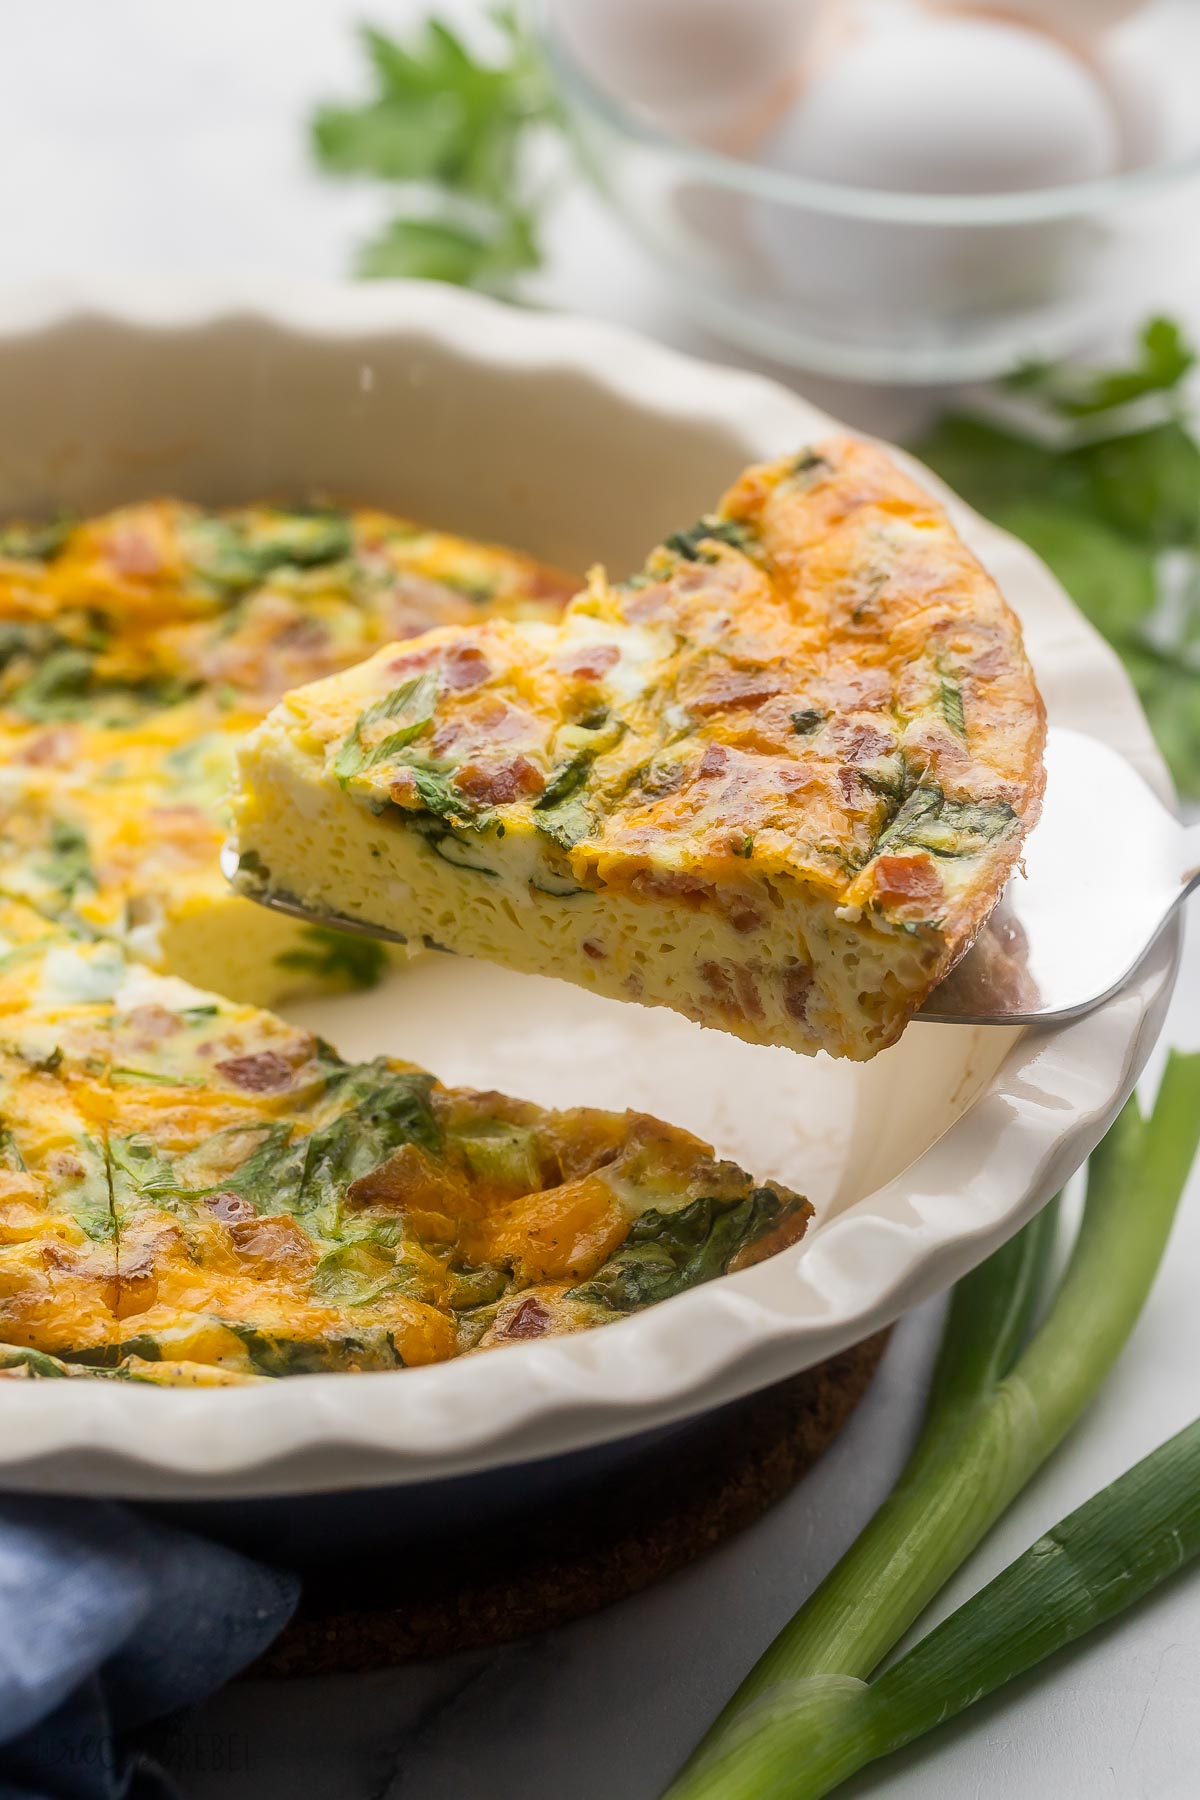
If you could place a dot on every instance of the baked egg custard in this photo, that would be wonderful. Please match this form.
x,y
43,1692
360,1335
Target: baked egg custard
x,y
776,781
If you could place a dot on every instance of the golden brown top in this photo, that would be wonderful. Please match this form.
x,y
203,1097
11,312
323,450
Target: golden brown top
x,y
818,681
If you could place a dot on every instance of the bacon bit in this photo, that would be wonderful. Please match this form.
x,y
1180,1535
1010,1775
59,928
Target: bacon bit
x,y
728,576
417,604
595,951
987,664
59,1256
591,663
153,1023
137,1282
302,634
412,663
861,690
271,1247
547,584
263,1072
647,603
465,667
717,982
496,787
856,742
742,916
488,721
132,552
54,746
530,1320
403,789
908,882
730,688
714,760
231,1209
935,743
406,1178
674,884
796,982
747,992
62,1162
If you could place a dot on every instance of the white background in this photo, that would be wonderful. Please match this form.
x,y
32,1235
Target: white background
x,y
138,137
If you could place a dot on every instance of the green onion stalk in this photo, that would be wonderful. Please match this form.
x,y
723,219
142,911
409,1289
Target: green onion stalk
x,y
1000,1403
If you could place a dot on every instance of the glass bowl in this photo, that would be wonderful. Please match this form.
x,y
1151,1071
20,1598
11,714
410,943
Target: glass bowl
x,y
899,287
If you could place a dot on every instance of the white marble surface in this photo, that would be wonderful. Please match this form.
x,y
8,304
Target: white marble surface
x,y
142,138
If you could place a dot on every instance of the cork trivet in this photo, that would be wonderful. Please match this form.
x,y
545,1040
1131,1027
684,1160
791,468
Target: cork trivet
x,y
561,1560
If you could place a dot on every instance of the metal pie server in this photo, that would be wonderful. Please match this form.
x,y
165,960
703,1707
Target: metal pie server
x,y
1105,870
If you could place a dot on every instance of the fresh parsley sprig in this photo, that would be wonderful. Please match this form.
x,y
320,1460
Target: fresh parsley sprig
x,y
1111,500
453,135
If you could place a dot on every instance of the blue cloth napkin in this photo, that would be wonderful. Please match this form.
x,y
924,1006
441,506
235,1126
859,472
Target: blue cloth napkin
x,y
109,1620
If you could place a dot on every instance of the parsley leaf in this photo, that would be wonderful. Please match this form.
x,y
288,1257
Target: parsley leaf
x,y
1114,515
1078,392
438,250
453,131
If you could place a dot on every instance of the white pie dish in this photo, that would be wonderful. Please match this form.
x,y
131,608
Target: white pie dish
x,y
579,442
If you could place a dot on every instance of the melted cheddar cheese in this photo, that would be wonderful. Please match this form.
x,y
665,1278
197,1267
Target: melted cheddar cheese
x,y
776,781
137,648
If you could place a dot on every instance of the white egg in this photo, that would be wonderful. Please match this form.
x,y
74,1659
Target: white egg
x,y
950,106
700,66
1138,84
1079,20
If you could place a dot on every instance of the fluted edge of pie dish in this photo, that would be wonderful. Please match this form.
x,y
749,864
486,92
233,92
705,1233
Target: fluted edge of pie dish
x,y
1047,1106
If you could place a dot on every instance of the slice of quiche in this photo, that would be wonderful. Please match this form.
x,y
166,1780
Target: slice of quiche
x,y
194,1187
776,781
136,647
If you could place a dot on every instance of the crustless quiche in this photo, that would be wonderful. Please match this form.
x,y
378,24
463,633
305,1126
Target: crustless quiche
x,y
191,1190
775,781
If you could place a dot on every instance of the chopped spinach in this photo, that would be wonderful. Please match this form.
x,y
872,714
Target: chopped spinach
x,y
336,956
1101,503
66,686
690,544
446,843
377,1110
668,1252
928,821
807,720
233,554
35,1362
354,1274
416,698
467,1288
808,463
272,1354
566,824
35,543
566,780
67,862
501,1155
950,700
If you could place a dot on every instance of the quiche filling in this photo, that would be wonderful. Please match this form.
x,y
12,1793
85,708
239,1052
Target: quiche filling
x,y
193,1192
138,647
776,781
